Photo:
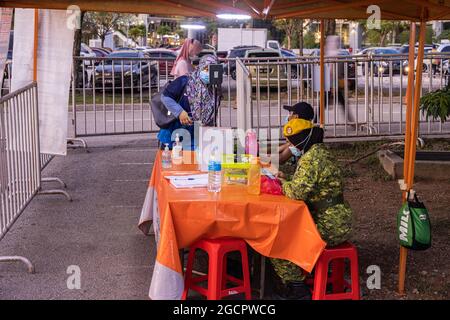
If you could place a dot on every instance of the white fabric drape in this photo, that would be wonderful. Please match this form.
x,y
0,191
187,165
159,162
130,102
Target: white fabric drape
x,y
54,71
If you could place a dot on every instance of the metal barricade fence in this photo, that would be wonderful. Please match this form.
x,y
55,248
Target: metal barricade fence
x,y
112,95
365,94
20,171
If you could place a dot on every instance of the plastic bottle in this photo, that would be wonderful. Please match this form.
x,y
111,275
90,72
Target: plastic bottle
x,y
251,143
214,172
177,151
254,177
166,158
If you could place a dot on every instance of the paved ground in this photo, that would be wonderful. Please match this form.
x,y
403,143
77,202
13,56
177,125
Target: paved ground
x,y
97,231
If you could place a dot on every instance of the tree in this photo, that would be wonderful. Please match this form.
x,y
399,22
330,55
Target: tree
x,y
387,28
309,40
290,27
99,24
163,30
445,35
330,27
137,32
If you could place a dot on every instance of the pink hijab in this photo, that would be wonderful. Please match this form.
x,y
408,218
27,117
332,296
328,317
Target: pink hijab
x,y
184,54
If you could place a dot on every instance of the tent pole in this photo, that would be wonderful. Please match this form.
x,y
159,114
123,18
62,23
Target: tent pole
x,y
414,118
35,48
409,102
322,74
415,111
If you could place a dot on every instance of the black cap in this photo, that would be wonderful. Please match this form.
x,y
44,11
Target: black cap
x,y
302,109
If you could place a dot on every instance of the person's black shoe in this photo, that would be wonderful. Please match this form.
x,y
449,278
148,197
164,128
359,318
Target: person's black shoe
x,y
293,290
298,290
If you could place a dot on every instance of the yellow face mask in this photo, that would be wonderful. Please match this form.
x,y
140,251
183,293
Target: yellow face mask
x,y
295,126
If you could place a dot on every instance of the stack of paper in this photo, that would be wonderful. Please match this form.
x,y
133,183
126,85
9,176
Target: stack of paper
x,y
189,181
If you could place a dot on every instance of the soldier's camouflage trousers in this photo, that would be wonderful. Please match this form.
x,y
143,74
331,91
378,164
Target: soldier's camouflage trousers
x,y
334,225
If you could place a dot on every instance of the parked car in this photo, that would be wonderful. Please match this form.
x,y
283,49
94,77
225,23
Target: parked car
x,y
202,53
165,58
294,66
120,70
269,75
427,63
100,52
87,52
382,67
236,52
351,66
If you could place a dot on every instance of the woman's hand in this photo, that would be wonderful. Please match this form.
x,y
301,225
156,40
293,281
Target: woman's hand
x,y
184,118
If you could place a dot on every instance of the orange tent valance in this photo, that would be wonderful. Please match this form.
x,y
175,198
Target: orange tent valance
x,y
311,9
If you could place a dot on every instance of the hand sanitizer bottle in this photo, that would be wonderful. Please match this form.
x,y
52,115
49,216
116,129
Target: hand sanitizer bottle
x,y
177,151
166,158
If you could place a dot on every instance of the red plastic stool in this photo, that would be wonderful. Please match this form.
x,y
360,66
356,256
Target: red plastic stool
x,y
217,276
336,256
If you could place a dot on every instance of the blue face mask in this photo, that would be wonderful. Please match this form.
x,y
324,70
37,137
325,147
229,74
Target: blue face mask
x,y
295,152
204,76
286,120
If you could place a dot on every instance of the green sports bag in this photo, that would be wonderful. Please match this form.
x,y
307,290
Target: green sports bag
x,y
413,225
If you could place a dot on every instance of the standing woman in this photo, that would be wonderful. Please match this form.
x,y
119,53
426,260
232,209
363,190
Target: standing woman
x,y
190,98
183,64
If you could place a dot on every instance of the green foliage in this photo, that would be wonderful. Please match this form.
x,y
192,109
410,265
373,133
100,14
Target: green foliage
x,y
309,40
436,104
290,27
163,30
380,36
99,24
445,35
136,32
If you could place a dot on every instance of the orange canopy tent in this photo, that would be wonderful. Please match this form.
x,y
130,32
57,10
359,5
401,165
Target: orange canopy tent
x,y
411,10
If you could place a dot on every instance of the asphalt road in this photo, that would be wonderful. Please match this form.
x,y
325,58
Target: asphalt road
x,y
96,232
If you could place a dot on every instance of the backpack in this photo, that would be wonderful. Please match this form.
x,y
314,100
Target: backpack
x,y
163,117
413,225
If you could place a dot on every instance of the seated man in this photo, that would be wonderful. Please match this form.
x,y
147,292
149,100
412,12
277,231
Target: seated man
x,y
301,110
318,181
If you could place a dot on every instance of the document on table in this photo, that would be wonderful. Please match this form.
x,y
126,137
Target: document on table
x,y
189,181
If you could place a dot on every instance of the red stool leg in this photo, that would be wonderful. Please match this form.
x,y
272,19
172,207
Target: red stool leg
x,y
355,275
215,275
246,274
224,273
320,279
188,274
337,275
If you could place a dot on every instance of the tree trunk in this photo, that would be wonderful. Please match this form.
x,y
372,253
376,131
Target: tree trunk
x,y
288,41
77,48
300,37
330,27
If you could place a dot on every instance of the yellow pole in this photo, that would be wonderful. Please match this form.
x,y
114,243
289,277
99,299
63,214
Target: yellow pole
x,y
36,38
322,74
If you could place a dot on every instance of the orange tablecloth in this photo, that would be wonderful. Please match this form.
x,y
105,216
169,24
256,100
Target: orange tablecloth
x,y
274,226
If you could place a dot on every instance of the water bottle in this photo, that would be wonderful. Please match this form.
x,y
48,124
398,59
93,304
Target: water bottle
x,y
166,158
214,173
254,177
177,151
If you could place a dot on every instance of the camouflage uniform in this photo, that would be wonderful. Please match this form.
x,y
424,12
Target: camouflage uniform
x,y
318,181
